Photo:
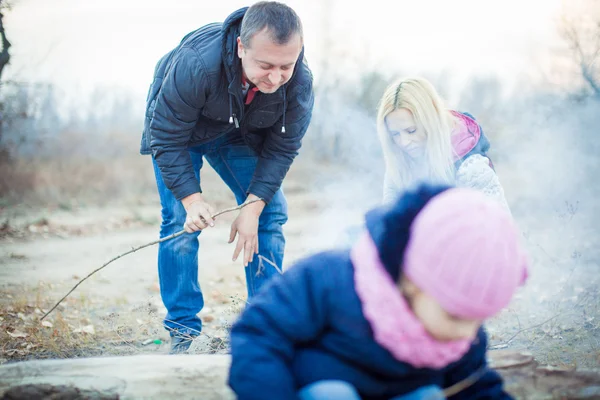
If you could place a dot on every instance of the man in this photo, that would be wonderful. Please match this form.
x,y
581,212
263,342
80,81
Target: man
x,y
239,95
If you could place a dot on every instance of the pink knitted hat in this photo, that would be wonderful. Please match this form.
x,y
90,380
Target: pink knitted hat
x,y
464,251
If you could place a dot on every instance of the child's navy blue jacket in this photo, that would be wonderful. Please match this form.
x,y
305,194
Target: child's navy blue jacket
x,y
307,325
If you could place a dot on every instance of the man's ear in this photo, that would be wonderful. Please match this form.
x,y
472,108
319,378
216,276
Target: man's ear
x,y
240,47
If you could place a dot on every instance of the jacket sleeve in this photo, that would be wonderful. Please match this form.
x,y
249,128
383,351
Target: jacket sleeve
x,y
280,148
475,172
489,383
178,106
291,310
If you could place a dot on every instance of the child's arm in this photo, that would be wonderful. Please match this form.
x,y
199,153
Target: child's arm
x,y
290,310
488,386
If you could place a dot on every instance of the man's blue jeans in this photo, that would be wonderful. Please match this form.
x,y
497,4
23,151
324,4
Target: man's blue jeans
x,y
235,162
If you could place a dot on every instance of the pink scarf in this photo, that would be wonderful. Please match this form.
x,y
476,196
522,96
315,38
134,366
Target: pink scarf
x,y
394,325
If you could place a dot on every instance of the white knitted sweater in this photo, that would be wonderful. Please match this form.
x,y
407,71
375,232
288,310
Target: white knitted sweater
x,y
475,172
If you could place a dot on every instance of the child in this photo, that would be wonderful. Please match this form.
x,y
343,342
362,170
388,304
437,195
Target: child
x,y
398,315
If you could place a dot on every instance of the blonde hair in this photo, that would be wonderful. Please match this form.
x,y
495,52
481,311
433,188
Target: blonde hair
x,y
419,97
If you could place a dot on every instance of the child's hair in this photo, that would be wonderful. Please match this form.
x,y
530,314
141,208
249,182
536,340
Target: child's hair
x,y
419,97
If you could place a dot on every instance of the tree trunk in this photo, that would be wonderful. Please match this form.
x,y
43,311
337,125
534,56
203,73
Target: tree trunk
x,y
591,80
4,55
205,377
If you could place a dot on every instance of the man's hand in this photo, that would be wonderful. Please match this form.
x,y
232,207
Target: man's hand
x,y
246,225
199,213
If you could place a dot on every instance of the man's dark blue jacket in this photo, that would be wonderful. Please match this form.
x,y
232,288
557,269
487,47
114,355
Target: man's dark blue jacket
x,y
196,96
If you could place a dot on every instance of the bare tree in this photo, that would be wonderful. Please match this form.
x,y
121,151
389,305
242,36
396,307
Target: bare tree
x,y
579,27
4,54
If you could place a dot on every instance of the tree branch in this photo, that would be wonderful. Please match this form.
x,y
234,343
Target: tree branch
x,y
590,79
585,48
141,247
4,55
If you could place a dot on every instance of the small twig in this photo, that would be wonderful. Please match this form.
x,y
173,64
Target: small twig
x,y
530,328
261,267
465,383
182,325
127,342
181,232
191,338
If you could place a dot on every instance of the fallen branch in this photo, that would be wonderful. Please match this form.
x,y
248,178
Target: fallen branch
x,y
181,232
497,346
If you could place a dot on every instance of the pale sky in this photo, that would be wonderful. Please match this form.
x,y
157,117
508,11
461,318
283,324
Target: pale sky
x,y
79,45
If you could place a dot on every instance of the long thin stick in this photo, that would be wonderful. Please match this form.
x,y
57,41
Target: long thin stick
x,y
465,383
181,232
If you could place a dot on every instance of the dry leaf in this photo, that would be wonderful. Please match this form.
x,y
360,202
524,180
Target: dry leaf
x,y
17,334
85,329
47,324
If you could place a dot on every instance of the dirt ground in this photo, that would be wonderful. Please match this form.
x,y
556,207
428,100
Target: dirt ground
x,y
44,252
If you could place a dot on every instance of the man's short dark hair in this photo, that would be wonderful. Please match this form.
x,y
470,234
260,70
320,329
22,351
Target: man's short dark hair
x,y
281,21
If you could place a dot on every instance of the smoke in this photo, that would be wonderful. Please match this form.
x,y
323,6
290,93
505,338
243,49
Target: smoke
x,y
544,146
545,149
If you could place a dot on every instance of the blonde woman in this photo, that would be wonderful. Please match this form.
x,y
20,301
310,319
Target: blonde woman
x,y
424,141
